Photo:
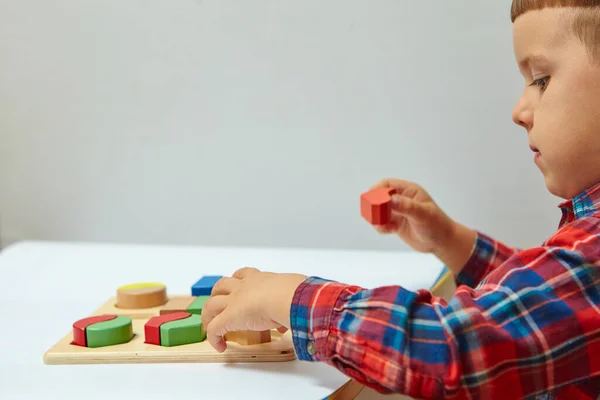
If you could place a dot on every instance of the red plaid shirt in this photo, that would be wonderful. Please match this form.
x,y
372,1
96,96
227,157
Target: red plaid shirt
x,y
521,324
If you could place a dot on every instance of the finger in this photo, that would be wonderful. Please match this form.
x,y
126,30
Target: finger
x,y
213,307
406,207
282,329
244,272
390,227
384,183
398,184
216,329
224,286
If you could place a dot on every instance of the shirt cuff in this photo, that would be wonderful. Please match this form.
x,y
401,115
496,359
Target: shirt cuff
x,y
479,263
311,312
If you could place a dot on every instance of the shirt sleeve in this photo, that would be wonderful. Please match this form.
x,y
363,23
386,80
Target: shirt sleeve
x,y
488,254
533,327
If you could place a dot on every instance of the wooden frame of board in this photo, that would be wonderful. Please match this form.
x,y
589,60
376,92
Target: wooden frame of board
x,y
279,349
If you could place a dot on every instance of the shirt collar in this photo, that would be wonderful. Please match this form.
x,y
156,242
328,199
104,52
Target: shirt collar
x,y
584,204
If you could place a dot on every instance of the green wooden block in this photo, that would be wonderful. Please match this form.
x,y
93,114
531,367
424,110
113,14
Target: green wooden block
x,y
197,306
182,331
109,333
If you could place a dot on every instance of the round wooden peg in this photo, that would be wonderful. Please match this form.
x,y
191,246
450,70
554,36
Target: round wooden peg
x,y
141,295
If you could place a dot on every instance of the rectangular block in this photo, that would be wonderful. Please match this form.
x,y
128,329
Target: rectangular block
x,y
205,285
177,305
197,305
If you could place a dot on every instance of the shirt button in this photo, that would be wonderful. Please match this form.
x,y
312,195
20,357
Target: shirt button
x,y
311,348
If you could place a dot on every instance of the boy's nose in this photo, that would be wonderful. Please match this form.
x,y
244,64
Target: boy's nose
x,y
522,114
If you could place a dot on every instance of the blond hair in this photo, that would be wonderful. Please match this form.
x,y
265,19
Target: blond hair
x,y
584,19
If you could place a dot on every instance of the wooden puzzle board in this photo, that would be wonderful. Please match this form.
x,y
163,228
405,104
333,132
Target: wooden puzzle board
x,y
136,351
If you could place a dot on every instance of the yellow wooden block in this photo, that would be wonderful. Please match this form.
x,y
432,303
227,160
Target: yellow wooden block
x,y
141,285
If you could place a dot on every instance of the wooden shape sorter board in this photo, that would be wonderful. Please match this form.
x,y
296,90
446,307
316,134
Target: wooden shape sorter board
x,y
279,349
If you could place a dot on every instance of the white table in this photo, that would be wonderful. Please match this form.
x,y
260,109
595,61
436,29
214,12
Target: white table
x,y
45,287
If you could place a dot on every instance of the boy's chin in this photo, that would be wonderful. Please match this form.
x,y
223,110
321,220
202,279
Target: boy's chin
x,y
554,186
564,190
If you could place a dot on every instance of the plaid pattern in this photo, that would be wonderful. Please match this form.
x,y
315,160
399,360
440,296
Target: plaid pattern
x,y
585,204
487,256
522,323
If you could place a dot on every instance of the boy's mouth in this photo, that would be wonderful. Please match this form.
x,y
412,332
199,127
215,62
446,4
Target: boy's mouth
x,y
537,154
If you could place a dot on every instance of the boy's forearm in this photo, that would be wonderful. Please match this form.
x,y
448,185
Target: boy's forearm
x,y
457,249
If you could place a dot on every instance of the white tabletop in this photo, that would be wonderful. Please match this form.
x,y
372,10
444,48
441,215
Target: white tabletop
x,y
45,287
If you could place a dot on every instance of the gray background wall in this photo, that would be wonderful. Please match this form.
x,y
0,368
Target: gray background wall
x,y
258,123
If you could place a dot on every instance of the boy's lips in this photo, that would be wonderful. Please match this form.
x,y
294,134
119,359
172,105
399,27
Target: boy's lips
x,y
537,154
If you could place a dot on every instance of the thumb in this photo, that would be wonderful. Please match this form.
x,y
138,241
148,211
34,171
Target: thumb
x,y
405,207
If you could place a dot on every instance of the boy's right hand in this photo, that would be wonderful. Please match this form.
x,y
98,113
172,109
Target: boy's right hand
x,y
424,226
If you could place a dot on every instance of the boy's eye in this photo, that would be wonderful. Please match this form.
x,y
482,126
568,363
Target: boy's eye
x,y
541,82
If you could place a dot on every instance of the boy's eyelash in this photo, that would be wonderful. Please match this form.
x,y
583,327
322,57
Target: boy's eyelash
x,y
541,82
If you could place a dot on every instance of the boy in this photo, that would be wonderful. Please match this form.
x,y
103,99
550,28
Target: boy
x,y
522,323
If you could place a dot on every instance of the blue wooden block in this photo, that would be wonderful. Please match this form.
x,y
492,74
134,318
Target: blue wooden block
x,y
204,286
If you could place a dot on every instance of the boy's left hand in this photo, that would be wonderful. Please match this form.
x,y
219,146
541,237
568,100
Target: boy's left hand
x,y
249,300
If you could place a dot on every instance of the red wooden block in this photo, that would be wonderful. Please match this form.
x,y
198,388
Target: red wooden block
x,y
376,205
152,327
79,336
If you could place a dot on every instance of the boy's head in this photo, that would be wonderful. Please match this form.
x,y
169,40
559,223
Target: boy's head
x,y
557,47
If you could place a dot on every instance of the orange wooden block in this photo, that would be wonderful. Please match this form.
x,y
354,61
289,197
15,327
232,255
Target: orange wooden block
x,y
175,305
247,338
376,205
